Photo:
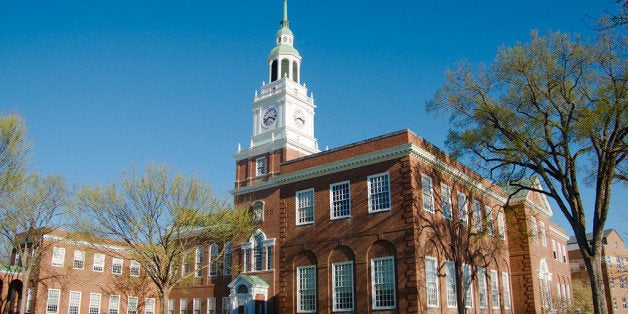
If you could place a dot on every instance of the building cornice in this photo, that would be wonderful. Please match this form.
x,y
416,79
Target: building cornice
x,y
412,150
101,246
558,233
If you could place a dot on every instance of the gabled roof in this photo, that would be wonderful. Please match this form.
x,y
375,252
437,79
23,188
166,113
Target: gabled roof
x,y
572,239
520,195
252,280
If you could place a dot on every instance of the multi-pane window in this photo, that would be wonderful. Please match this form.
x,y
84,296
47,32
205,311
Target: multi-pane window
x,y
305,207
462,208
213,256
340,199
116,266
132,305
199,261
565,254
383,282
196,306
78,261
379,192
134,268
99,262
450,274
258,253
149,306
114,304
226,305
94,303
306,289
227,259
501,227
445,194
58,256
467,285
489,220
535,231
183,306
477,214
52,303
494,289
543,234
431,281
74,305
342,286
624,302
260,166
170,306
506,290
428,193
481,273
269,257
554,248
211,305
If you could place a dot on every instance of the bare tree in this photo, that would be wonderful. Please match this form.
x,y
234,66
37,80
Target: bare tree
x,y
161,217
555,108
26,216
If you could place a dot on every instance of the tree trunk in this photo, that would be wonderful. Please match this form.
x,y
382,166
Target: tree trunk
x,y
596,278
23,297
459,289
164,295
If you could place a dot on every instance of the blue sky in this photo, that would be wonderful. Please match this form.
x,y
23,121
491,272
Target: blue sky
x,y
106,84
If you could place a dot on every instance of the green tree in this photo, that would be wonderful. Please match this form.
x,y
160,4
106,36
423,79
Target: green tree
x,y
555,108
26,216
162,217
14,153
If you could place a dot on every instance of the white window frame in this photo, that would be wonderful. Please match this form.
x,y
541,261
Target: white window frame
x,y
78,260
94,303
199,260
99,262
260,166
482,291
116,265
445,192
213,265
52,301
476,210
306,287
58,256
495,290
149,306
132,305
379,198
170,306
554,251
196,306
427,193
183,306
226,305
227,260
134,268
350,288
382,280
467,284
490,223
114,304
340,200
506,290
211,305
501,225
74,302
463,208
535,231
543,234
304,207
452,293
431,281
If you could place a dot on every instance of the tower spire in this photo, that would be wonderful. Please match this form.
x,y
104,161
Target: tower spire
x,y
284,21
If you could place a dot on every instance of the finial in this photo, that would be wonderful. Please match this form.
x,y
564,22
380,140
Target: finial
x,y
239,148
284,21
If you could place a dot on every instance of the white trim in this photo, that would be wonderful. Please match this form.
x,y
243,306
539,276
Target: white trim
x,y
85,243
391,153
558,233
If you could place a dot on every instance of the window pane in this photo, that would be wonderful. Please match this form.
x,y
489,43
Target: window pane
x,y
94,303
340,200
306,288
431,281
428,193
342,286
305,206
75,302
114,304
379,192
450,272
383,281
445,192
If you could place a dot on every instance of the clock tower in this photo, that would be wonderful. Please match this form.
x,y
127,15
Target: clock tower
x,y
283,112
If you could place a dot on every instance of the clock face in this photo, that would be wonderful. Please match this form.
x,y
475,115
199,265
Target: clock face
x,y
269,117
299,117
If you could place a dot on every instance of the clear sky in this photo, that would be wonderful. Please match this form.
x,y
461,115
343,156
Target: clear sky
x,y
106,84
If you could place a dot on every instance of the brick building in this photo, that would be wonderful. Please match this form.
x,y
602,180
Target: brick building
x,y
614,269
76,276
538,252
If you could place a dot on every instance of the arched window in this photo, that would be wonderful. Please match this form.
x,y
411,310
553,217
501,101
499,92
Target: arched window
x,y
256,251
273,71
213,255
295,71
227,259
200,259
285,68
